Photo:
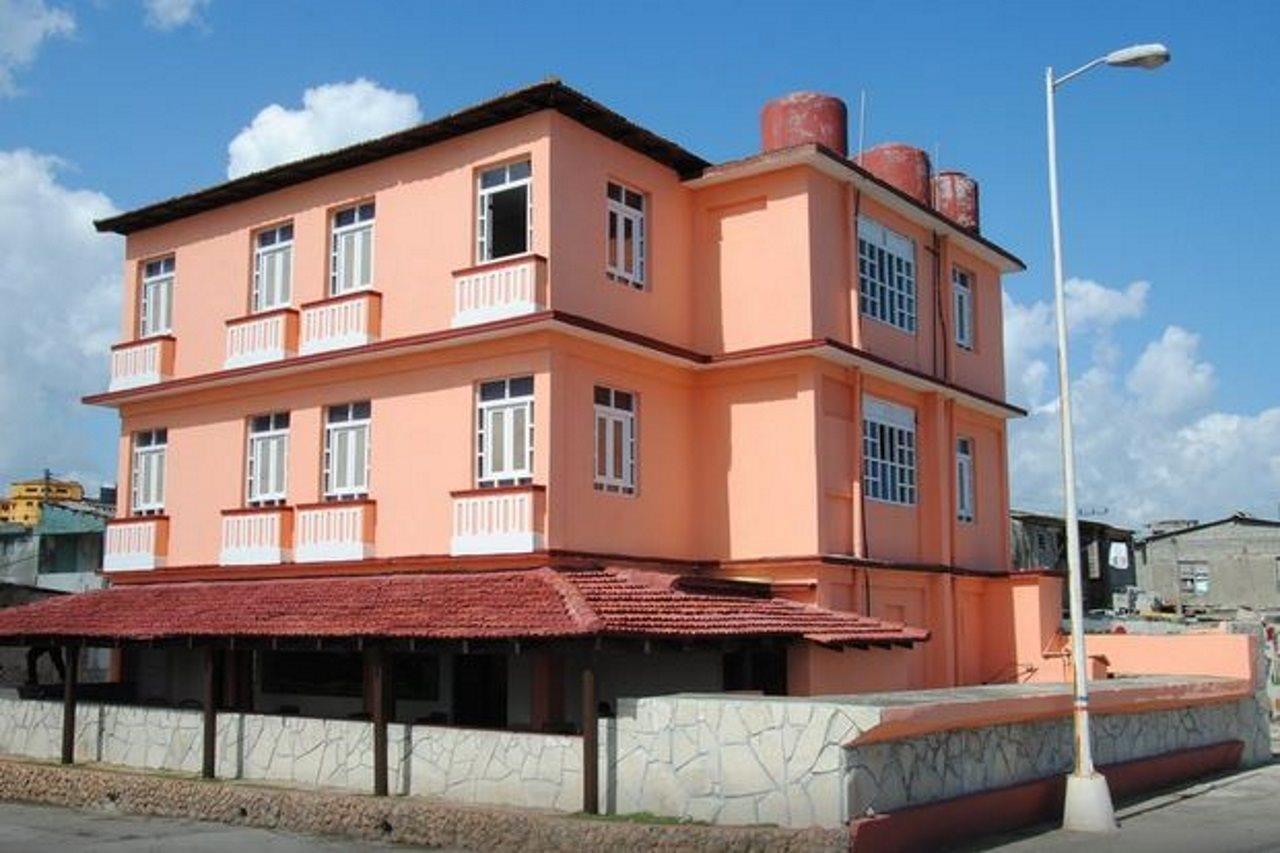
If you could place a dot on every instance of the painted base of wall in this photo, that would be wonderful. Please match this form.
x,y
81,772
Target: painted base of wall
x,y
1017,806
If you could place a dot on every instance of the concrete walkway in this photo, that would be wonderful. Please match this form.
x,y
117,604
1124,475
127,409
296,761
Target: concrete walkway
x,y
1233,814
24,828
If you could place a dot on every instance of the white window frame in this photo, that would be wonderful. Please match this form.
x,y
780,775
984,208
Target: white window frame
x,y
962,306
620,213
484,195
505,408
272,268
886,276
360,229
342,422
155,297
146,471
615,435
964,479
1194,577
267,451
889,466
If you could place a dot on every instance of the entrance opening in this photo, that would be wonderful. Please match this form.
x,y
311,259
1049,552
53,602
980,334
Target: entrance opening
x,y
763,670
480,691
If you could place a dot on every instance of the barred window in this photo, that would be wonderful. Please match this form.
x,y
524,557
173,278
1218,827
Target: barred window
x,y
504,425
886,275
888,452
146,495
615,413
267,459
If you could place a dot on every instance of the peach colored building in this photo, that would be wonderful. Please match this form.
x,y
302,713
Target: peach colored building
x,y
532,334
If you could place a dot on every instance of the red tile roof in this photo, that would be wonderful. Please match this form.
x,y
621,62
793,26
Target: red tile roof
x,y
539,603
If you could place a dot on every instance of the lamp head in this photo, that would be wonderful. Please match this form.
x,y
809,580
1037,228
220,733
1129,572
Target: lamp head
x,y
1147,56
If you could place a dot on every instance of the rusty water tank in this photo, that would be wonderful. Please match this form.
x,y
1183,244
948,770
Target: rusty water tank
x,y
955,195
904,166
803,117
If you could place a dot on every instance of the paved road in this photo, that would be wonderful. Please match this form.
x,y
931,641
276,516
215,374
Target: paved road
x,y
1234,814
26,828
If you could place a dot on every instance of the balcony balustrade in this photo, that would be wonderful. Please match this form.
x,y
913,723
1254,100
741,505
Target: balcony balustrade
x,y
136,544
350,320
337,530
144,362
261,338
256,536
501,289
506,520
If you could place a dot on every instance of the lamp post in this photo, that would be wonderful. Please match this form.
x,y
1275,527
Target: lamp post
x,y
1088,802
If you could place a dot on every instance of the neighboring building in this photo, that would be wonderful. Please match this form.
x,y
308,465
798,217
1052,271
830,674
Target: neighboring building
x,y
530,377
26,497
1218,565
1106,554
63,551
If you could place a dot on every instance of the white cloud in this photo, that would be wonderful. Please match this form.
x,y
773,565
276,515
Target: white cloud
x,y
24,27
1148,443
59,281
332,116
171,14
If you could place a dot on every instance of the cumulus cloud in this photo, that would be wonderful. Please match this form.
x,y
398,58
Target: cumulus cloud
x,y
25,25
1149,443
171,14
332,116
60,282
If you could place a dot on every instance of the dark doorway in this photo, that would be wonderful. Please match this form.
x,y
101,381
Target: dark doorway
x,y
480,691
764,670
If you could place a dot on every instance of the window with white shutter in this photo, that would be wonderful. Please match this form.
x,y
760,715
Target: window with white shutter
x,y
504,437
504,210
615,433
351,258
266,465
625,235
962,306
346,451
146,493
155,302
886,275
272,268
964,479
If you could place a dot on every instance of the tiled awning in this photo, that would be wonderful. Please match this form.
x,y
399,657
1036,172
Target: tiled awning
x,y
480,605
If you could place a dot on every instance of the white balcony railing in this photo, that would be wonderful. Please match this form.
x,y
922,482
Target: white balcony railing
x,y
499,290
262,338
334,531
345,321
141,363
256,536
135,544
498,521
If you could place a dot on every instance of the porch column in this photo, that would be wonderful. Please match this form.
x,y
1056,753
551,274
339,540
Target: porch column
x,y
376,700
72,654
590,744
210,714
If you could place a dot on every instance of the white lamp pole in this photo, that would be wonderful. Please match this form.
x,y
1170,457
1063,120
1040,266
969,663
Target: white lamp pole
x,y
1088,803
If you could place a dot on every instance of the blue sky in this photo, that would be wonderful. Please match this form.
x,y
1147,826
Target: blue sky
x,y
1165,176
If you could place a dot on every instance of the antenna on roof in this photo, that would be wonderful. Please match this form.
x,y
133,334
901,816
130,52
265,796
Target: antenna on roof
x,y
862,124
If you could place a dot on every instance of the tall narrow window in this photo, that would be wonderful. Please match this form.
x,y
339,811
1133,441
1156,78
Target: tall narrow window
x,y
155,305
886,275
346,451
146,493
625,230
888,452
504,207
615,440
351,258
267,459
964,479
504,440
962,306
272,268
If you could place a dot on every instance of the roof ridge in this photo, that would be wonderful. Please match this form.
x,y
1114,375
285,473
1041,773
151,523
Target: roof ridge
x,y
575,603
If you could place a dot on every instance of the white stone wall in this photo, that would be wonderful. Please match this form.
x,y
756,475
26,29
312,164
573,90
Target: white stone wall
x,y
501,768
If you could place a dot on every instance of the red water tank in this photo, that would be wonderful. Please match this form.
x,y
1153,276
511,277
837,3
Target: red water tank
x,y
904,166
955,195
803,117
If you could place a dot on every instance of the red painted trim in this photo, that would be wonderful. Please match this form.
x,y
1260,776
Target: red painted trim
x,y
343,297
336,503
134,519
258,510
235,321
498,490
140,341
948,822
502,262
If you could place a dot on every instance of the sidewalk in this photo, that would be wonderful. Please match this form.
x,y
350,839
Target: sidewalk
x,y
1233,814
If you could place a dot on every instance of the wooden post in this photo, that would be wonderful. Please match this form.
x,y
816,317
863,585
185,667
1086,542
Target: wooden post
x,y
72,655
376,700
209,764
590,744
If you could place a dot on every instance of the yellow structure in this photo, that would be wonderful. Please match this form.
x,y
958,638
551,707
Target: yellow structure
x,y
26,497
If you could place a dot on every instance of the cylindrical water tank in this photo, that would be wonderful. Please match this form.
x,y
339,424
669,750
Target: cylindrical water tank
x,y
903,166
955,195
803,117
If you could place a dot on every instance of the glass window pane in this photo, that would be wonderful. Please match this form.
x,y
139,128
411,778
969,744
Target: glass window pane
x,y
603,396
519,171
498,441
602,452
495,390
522,386
360,411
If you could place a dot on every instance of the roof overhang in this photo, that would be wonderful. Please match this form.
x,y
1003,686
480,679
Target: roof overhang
x,y
833,165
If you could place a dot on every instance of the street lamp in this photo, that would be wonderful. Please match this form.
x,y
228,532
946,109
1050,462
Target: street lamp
x,y
1088,803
